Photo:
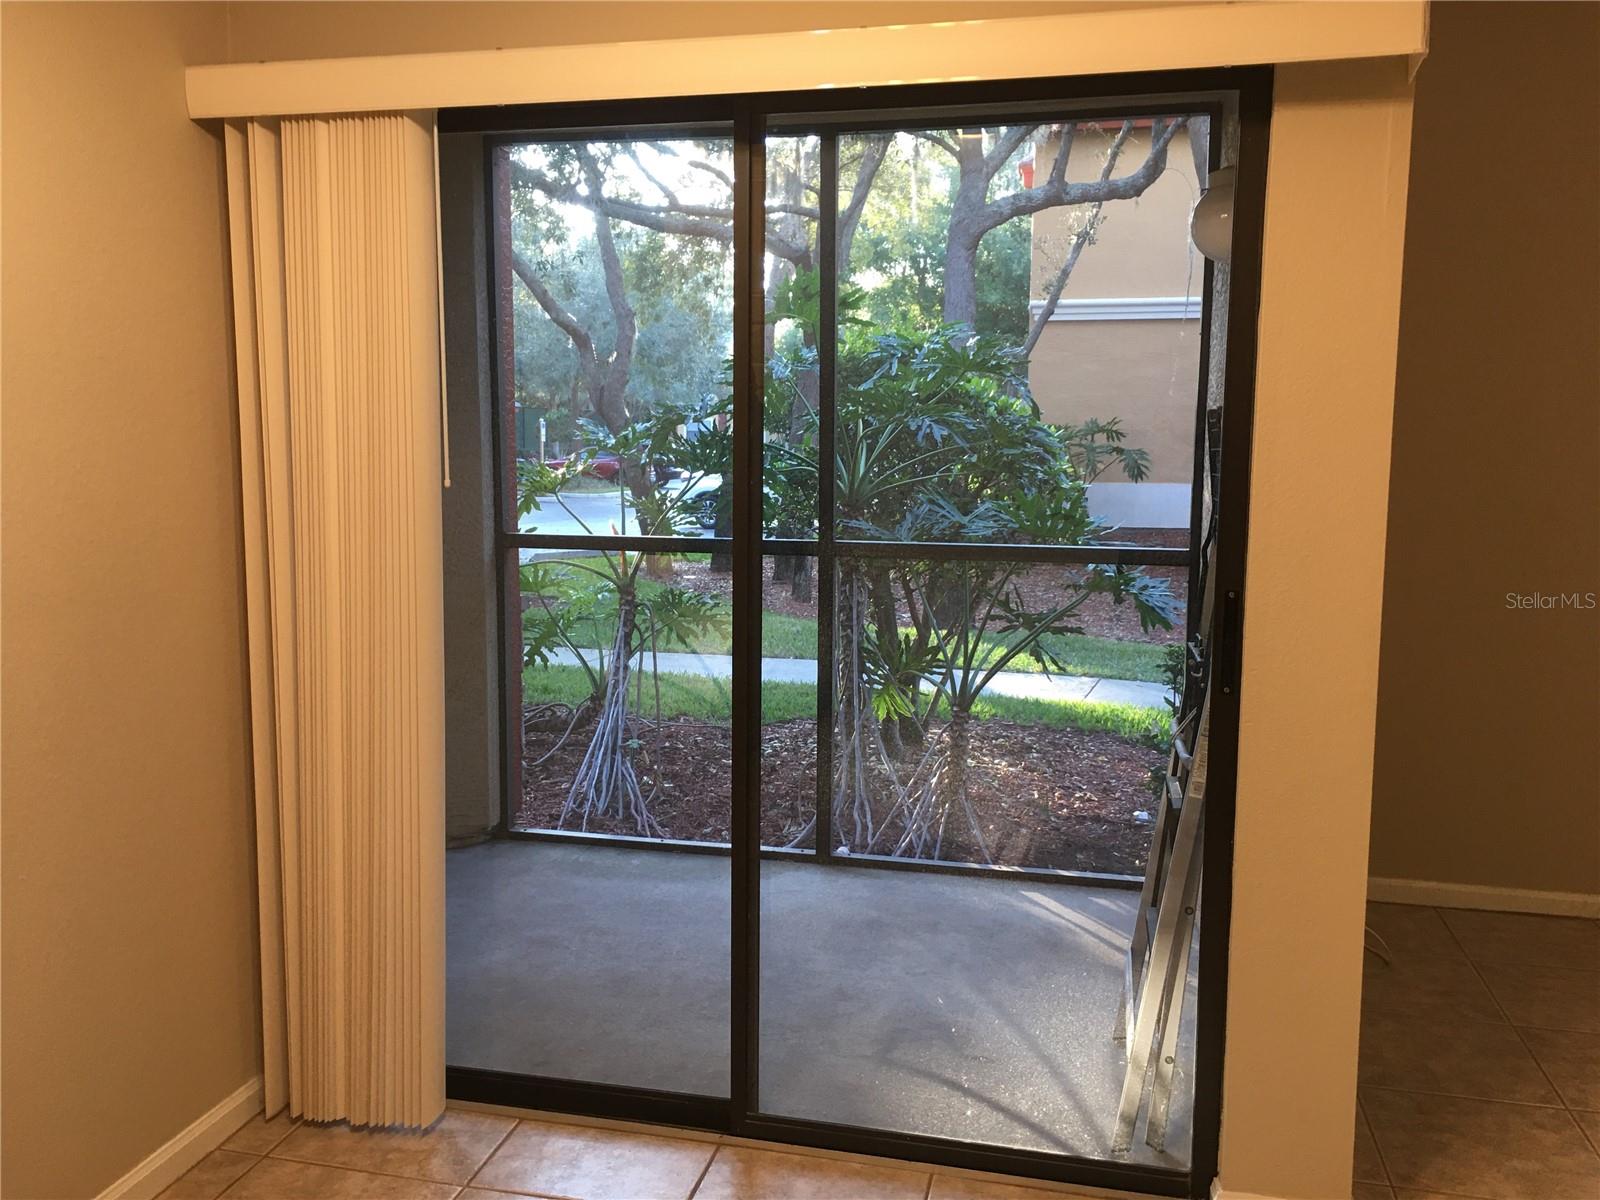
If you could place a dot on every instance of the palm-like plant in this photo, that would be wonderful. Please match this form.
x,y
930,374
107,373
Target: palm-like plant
x,y
594,610
937,439
978,623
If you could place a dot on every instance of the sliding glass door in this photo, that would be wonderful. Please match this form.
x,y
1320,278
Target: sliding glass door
x,y
585,956
958,454
866,538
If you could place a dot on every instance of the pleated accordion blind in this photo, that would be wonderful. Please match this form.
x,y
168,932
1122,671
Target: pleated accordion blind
x,y
334,255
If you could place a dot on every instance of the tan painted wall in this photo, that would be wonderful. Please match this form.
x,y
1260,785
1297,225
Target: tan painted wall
x,y
1487,715
1336,195
129,948
1144,372
1142,246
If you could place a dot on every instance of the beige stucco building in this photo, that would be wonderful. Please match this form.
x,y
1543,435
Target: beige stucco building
x,y
1124,340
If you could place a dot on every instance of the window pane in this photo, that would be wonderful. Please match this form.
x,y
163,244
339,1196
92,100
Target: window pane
x,y
1001,713
615,261
793,285
789,678
627,709
970,730
1019,333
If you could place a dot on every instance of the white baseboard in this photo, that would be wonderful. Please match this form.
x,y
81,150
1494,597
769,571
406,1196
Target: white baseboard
x,y
166,1163
1218,1192
1472,895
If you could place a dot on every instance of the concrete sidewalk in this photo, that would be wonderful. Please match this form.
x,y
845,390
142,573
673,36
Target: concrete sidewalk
x,y
1021,685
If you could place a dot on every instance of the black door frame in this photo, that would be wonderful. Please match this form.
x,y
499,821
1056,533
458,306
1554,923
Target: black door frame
x,y
751,118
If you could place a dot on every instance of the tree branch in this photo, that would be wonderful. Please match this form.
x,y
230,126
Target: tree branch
x,y
689,220
1056,192
627,327
1053,296
873,151
1081,239
633,153
685,220
1058,169
1005,146
564,321
714,171
945,143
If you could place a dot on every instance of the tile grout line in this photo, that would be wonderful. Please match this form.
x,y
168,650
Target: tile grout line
x,y
219,1150
1430,1192
1372,1133
715,1142
1583,1133
311,1162
504,1138
1394,1188
1522,1041
260,1158
1559,1104
282,1138
1361,1107
478,1187
1461,946
1594,1141
716,1149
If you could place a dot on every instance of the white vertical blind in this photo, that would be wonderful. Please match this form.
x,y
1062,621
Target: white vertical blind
x,y
332,223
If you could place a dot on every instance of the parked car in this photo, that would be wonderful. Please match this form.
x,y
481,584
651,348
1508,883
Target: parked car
x,y
701,498
607,467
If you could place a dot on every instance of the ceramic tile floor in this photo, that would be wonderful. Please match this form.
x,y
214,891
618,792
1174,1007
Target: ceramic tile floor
x,y
1480,1058
473,1155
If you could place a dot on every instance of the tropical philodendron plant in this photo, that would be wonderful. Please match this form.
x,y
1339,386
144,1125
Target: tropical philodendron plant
x,y
937,439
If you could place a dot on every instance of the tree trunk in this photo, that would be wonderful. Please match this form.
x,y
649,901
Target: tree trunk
x,y
854,730
961,276
886,625
964,233
952,793
800,580
722,560
606,778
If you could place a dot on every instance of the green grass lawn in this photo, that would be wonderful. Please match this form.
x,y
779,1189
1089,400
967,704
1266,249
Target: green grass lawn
x,y
784,636
585,485
1103,658
710,700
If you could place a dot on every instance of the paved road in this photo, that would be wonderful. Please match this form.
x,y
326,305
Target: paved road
x,y
1024,685
599,511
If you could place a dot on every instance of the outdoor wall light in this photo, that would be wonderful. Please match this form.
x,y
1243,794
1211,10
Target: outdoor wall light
x,y
1211,226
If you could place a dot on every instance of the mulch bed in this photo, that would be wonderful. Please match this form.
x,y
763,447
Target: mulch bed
x,y
1061,798
1041,588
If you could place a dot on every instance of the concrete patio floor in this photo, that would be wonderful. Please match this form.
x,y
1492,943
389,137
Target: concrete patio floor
x,y
978,1009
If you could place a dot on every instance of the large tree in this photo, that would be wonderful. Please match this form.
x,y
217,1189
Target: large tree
x,y
974,210
976,206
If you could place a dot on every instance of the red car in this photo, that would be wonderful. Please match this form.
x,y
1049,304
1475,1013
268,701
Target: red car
x,y
608,466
